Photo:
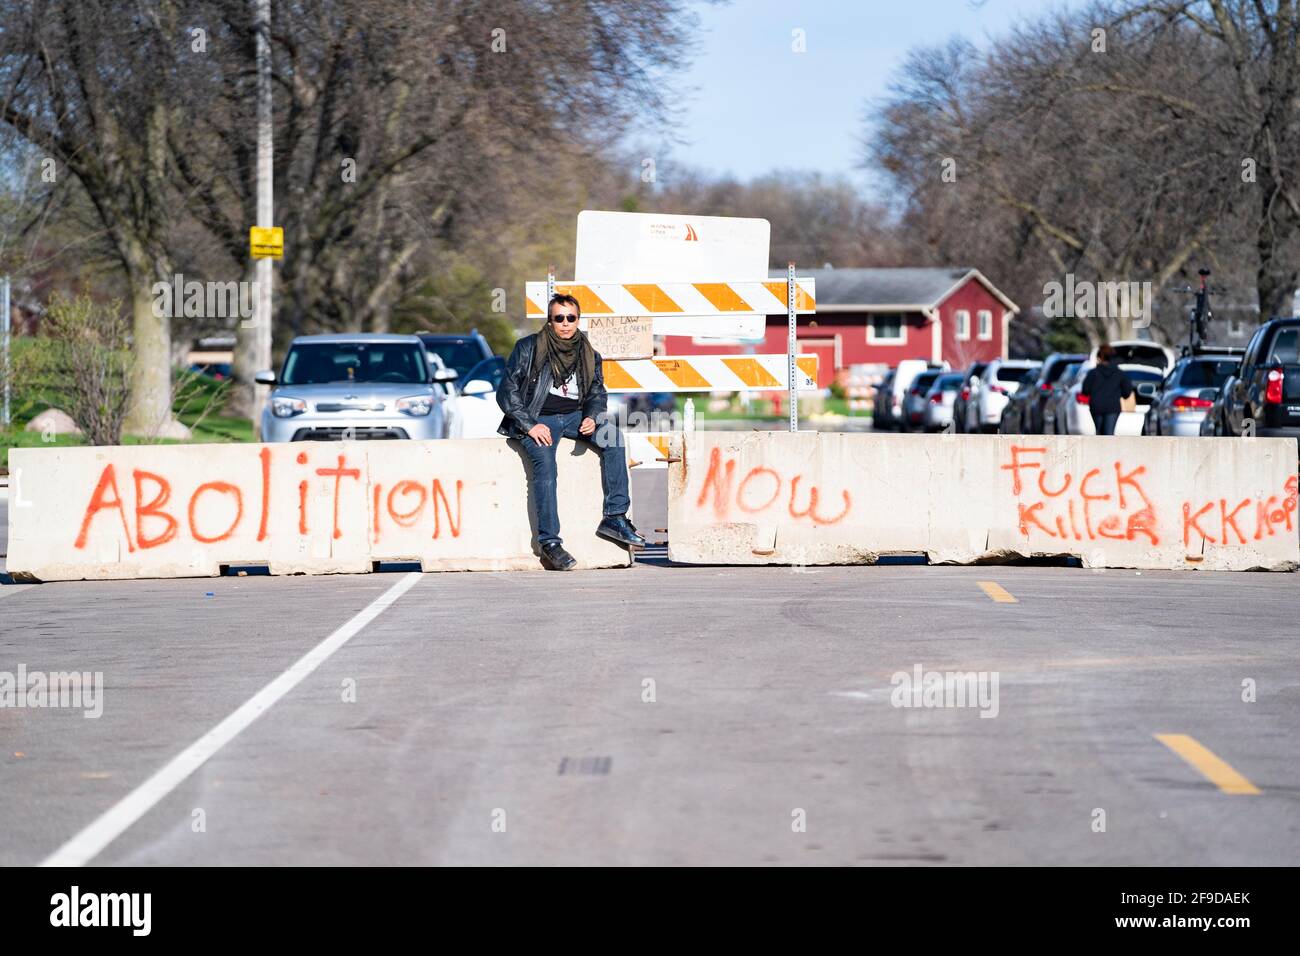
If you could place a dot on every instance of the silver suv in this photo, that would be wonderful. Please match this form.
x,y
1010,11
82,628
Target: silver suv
x,y
362,386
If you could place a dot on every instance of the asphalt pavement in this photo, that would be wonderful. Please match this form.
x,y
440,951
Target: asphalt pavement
x,y
658,714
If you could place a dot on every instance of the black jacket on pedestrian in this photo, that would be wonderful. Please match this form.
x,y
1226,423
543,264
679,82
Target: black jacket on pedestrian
x,y
523,392
1105,385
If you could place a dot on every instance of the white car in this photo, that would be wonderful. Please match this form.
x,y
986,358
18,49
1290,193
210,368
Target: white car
x,y
473,411
1000,379
904,375
1078,417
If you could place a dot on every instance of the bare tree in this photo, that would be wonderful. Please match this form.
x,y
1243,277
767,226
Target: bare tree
x,y
1076,147
1259,50
404,128
816,219
89,84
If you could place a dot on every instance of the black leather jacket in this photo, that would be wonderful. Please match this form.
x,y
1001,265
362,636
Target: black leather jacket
x,y
522,394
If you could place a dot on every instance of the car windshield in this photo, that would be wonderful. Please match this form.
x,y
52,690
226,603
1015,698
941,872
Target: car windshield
x,y
924,381
321,363
948,383
1207,374
491,370
1057,370
1286,348
1012,373
461,355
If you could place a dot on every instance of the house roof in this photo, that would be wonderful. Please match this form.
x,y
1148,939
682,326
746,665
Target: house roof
x,y
919,289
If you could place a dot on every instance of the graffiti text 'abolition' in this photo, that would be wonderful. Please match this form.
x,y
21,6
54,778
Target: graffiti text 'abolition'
x,y
217,510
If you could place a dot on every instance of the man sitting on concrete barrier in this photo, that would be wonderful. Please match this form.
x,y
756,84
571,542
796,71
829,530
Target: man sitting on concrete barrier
x,y
554,388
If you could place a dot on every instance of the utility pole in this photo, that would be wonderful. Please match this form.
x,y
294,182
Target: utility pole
x,y
4,332
265,194
792,347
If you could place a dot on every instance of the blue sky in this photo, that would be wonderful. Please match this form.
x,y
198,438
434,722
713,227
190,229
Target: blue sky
x,y
747,80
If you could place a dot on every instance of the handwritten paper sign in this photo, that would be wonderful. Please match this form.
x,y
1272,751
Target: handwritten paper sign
x,y
621,336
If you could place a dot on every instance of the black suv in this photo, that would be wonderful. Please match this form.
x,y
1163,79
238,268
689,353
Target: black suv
x,y
1266,389
461,351
1035,403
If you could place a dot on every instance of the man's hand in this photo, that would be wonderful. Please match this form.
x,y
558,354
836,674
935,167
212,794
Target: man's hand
x,y
587,427
540,434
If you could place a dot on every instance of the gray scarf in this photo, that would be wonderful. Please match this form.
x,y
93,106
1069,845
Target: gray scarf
x,y
564,355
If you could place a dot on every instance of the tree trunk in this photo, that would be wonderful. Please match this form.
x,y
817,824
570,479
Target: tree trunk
x,y
150,413
1277,276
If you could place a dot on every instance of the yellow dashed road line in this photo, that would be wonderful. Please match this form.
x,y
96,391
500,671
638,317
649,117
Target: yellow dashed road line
x,y
1218,770
997,592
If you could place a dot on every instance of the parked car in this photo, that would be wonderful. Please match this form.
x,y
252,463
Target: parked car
x,y
221,371
939,401
899,384
883,413
1016,412
459,351
364,386
651,404
1265,390
1078,417
473,411
1187,394
1211,424
1043,387
969,388
1054,411
914,401
1001,377
446,383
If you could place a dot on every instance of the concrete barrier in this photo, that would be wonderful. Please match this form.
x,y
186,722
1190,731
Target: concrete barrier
x,y
150,511
834,498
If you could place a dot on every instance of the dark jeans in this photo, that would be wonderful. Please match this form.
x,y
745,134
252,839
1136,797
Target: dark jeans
x,y
613,472
1105,422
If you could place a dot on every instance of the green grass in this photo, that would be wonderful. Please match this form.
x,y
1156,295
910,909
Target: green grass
x,y
761,410
223,428
21,439
198,394
212,430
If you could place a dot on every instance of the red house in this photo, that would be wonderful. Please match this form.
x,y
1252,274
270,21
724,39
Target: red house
x,y
881,316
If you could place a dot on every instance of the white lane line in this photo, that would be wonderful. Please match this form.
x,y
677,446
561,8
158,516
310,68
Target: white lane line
x,y
89,842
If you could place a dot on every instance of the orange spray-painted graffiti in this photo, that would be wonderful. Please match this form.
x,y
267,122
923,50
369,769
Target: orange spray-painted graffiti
x,y
1122,512
720,482
1112,503
214,510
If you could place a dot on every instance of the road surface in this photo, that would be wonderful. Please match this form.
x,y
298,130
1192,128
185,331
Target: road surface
x,y
658,714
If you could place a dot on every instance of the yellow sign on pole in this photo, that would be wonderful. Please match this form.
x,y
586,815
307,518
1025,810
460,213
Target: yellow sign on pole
x,y
266,242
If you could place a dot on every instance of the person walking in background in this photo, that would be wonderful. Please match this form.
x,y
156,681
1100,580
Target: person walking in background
x,y
1107,387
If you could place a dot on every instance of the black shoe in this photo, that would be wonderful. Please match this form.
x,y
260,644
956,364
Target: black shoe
x,y
618,528
557,557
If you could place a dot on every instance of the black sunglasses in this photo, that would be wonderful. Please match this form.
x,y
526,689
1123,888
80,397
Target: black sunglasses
x,y
564,318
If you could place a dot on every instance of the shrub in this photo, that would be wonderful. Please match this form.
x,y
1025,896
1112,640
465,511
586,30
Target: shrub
x,y
81,364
